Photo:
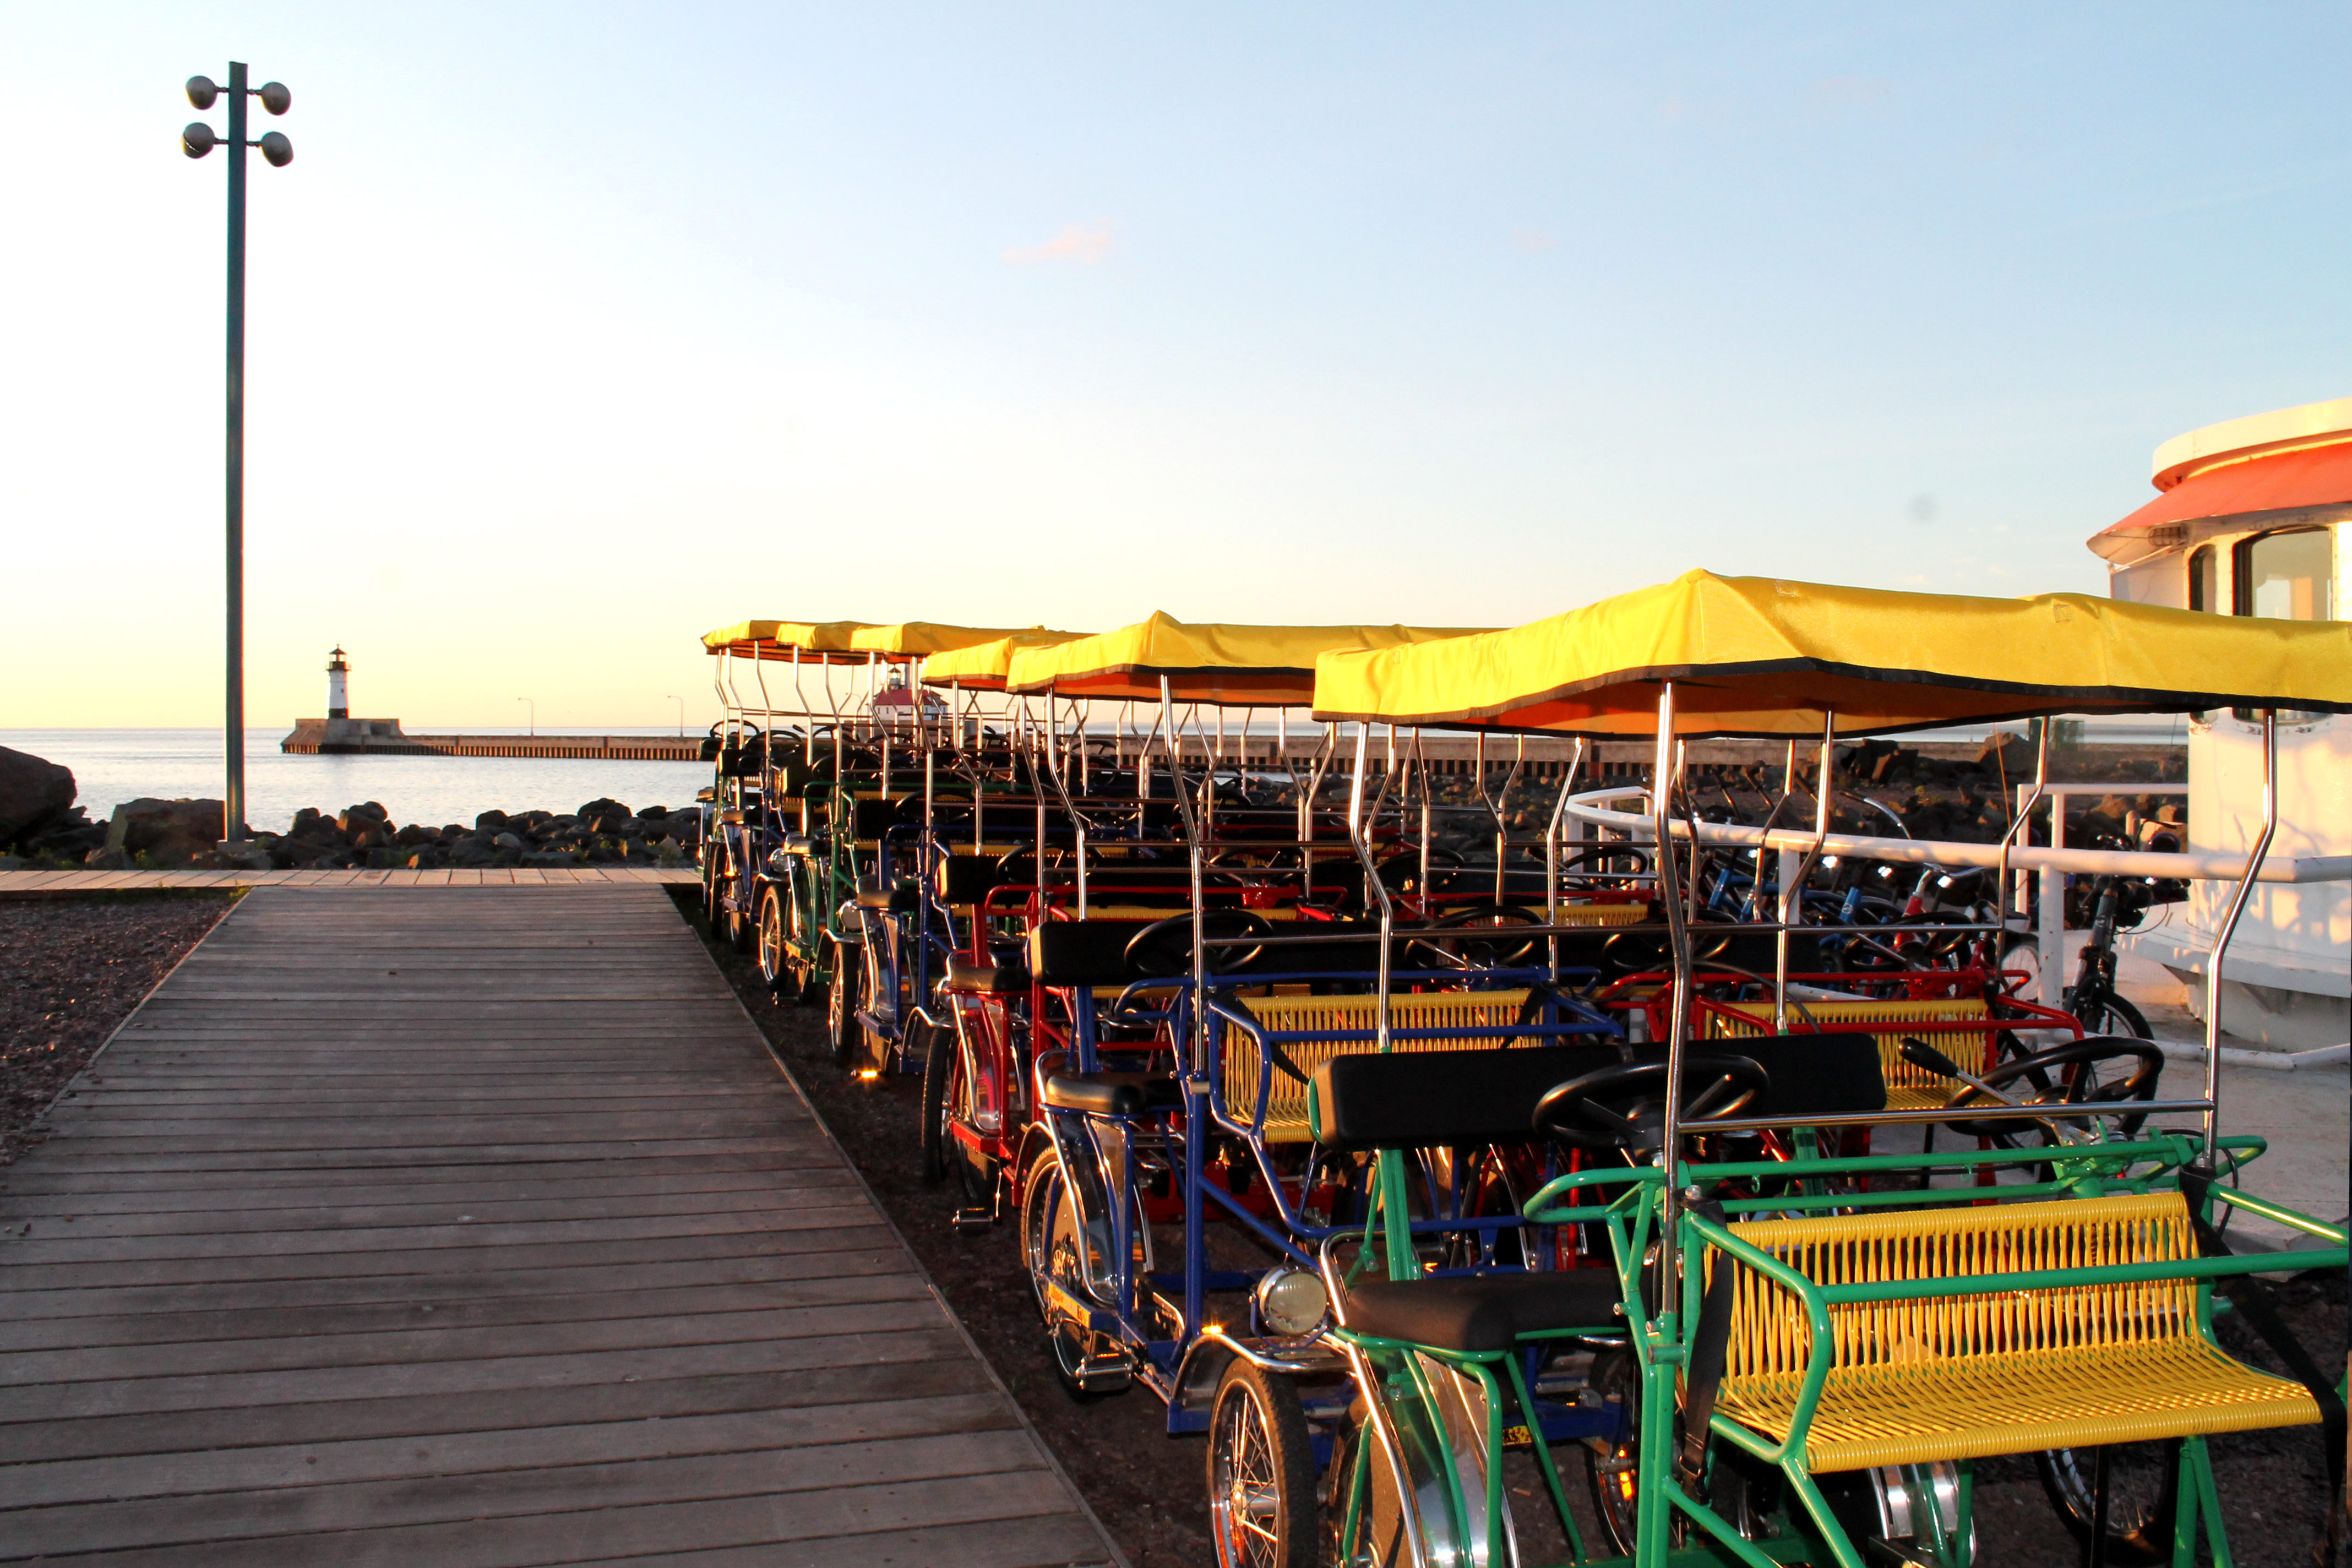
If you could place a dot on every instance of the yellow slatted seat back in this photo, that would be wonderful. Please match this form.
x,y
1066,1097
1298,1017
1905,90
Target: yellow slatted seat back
x,y
1286,1109
1908,1087
1967,1376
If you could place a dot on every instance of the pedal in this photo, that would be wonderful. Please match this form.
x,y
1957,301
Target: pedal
x,y
964,1221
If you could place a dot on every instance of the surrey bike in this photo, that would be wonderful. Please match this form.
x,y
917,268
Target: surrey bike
x,y
1813,1366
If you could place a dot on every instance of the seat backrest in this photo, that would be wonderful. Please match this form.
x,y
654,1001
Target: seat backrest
x,y
1817,1075
1463,1015
1905,1083
1083,952
1409,1100
1771,1338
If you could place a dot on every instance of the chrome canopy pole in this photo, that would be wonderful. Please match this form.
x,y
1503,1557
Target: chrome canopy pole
x,y
2228,929
1662,818
1200,1030
1551,853
1359,835
1793,877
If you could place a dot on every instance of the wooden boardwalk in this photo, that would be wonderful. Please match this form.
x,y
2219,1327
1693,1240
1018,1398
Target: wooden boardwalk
x,y
72,884
475,1227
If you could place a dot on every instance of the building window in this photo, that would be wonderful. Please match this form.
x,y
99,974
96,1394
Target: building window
x,y
2289,575
2204,588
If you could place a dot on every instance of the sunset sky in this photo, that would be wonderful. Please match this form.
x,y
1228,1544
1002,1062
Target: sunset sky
x,y
578,330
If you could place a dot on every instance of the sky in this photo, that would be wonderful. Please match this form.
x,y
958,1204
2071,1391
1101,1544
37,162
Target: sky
x,y
576,330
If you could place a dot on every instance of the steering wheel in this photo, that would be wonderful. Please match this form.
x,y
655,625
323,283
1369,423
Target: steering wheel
x,y
2081,1087
1625,1106
1164,948
1498,950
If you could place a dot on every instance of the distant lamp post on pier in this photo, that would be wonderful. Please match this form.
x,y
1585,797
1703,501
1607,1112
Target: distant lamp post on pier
x,y
681,716
196,140
534,713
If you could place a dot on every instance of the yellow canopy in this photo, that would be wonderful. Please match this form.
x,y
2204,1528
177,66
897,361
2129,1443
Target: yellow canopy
x,y
1753,656
982,667
1227,666
821,642
922,639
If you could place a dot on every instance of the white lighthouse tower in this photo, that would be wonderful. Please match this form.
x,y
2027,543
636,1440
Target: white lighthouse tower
x,y
339,696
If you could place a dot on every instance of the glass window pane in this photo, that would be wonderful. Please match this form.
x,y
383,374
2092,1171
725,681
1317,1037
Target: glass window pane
x,y
2203,572
2287,577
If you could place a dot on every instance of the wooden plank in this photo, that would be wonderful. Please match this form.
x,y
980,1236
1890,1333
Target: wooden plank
x,y
174,1299
507,1493
491,1410
434,1259
257,1321
848,1518
396,1208
180,1473
162,1366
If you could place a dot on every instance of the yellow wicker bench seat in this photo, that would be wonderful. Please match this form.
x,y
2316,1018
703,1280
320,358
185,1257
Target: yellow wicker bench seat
x,y
1908,1087
1286,1110
1958,1378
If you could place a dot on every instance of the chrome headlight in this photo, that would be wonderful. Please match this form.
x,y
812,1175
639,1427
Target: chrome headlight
x,y
1292,1303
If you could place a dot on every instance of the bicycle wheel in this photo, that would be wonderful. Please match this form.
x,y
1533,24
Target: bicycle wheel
x,y
1261,1472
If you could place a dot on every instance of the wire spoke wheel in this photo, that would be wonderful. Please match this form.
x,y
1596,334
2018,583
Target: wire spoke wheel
x,y
841,1005
2141,1492
1261,1472
1053,1245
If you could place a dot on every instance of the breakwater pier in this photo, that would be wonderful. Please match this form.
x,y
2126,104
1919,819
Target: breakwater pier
x,y
384,738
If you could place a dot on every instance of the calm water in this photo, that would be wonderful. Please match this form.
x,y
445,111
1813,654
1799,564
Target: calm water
x,y
111,766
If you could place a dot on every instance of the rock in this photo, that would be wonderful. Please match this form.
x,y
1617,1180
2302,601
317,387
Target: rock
x,y
470,851
357,819
490,822
34,791
414,834
507,841
108,860
168,832
604,805
653,813
11,862
254,857
549,859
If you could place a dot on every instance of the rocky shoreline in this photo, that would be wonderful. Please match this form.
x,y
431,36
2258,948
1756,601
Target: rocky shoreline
x,y
42,829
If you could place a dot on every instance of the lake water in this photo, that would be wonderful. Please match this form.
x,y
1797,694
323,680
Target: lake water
x,y
111,766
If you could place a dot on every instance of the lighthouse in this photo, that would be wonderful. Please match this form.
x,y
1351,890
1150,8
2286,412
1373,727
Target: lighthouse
x,y
339,696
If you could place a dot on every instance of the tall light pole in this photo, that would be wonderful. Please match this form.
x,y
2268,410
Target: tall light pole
x,y
534,713
196,140
681,716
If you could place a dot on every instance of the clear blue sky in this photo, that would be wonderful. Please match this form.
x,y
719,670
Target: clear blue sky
x,y
579,329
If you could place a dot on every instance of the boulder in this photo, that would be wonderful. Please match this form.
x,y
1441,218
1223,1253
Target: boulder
x,y
414,834
357,819
107,860
603,806
470,851
34,792
507,841
168,832
490,821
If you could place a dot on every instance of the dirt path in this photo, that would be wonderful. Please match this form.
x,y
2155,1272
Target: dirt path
x,y
70,972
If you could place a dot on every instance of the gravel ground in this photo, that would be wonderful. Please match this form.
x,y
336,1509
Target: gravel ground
x,y
70,970
1148,1488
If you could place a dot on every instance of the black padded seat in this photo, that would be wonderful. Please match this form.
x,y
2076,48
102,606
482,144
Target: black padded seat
x,y
1813,1075
1083,952
966,879
897,900
1486,1311
1412,1100
1113,1093
966,977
